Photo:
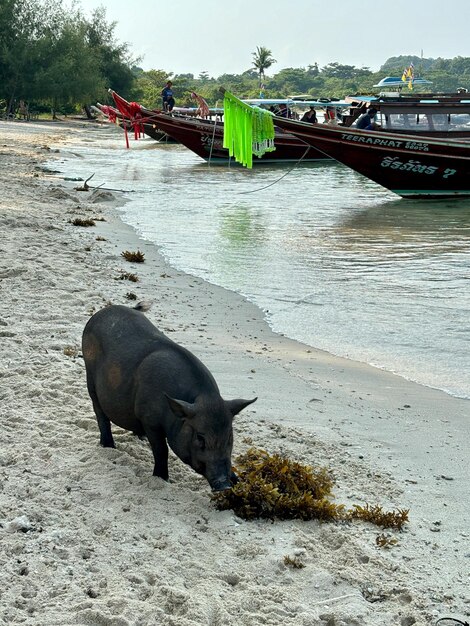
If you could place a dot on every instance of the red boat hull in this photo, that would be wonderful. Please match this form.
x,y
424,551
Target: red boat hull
x,y
205,137
408,165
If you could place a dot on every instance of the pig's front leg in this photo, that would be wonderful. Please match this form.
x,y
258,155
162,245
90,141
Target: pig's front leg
x,y
160,452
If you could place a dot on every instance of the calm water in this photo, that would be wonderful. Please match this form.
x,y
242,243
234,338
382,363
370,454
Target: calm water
x,y
332,259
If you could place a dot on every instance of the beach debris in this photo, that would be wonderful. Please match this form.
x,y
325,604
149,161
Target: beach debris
x,y
274,487
385,540
19,524
71,351
128,276
131,296
293,561
85,186
374,595
78,221
133,257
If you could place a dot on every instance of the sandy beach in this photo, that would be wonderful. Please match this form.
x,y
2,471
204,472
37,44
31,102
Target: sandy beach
x,y
88,536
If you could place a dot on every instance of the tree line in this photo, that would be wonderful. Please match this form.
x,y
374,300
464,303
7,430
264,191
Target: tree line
x,y
55,59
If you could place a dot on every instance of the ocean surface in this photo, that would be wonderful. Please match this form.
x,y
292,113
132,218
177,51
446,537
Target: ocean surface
x,y
332,259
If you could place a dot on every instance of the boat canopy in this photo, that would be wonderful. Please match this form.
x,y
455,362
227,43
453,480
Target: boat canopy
x,y
396,81
297,103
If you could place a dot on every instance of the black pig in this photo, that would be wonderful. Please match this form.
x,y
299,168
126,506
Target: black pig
x,y
142,381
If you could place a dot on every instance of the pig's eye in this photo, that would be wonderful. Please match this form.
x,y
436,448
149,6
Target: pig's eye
x,y
201,441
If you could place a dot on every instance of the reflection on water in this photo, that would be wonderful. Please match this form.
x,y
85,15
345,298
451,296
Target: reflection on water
x,y
336,261
240,227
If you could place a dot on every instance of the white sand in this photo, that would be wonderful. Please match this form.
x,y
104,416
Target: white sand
x,y
88,536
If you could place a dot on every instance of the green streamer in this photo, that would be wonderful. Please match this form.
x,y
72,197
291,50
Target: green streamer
x,y
247,130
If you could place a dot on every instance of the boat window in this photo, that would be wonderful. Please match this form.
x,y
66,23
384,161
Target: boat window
x,y
401,121
459,121
423,122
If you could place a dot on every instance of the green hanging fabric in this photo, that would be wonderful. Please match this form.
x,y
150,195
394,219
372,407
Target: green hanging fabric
x,y
247,130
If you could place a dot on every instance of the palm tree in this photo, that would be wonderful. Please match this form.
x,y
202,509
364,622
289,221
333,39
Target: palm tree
x,y
262,59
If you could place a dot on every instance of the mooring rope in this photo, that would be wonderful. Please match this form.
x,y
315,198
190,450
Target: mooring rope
x,y
213,137
281,177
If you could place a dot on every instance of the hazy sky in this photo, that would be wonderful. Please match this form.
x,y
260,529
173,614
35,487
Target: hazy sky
x,y
182,36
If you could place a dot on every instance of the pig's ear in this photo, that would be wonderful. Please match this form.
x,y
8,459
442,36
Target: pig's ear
x,y
181,408
235,406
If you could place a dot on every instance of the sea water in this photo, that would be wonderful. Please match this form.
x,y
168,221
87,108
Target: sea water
x,y
332,259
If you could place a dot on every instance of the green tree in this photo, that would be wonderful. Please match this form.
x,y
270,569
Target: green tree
x,y
336,70
68,73
313,70
20,26
262,60
113,58
51,54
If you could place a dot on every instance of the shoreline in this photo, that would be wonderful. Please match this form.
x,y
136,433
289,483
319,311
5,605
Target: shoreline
x,y
388,441
432,367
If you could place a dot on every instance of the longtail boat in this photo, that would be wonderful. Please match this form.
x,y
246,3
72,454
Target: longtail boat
x,y
410,166
204,137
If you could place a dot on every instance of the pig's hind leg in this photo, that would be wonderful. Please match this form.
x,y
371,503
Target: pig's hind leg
x,y
104,424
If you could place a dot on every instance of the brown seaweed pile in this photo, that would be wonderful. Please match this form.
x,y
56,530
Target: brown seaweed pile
x,y
133,257
83,222
274,487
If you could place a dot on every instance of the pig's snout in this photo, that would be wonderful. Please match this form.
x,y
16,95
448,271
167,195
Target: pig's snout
x,y
221,484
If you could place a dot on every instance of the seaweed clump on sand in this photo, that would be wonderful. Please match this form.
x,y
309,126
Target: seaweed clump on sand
x,y
274,487
375,515
133,257
83,222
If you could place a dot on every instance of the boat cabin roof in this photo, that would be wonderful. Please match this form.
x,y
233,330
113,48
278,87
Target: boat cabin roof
x,y
396,81
418,103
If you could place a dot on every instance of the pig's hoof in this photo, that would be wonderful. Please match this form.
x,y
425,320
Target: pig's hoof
x,y
107,443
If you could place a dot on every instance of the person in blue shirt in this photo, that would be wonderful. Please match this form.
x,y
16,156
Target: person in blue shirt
x,y
366,121
167,97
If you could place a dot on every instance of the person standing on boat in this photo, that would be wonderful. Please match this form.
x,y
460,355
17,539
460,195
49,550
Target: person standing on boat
x,y
366,121
309,116
167,97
